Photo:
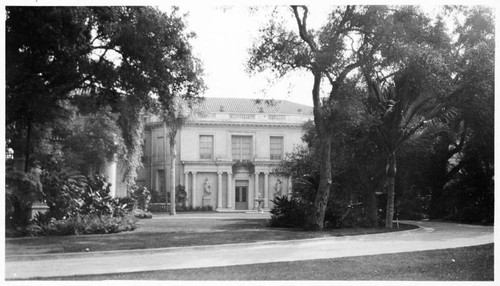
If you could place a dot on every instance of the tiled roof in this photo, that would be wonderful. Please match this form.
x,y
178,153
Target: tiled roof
x,y
247,105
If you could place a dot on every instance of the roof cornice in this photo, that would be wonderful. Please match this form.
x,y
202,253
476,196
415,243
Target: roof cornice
x,y
245,124
155,125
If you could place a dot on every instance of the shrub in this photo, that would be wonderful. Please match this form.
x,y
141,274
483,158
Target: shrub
x,y
288,212
96,198
69,194
81,224
142,197
180,195
138,213
63,192
340,215
158,197
123,206
22,189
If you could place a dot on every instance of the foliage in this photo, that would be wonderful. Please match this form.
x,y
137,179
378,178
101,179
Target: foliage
x,y
158,197
351,39
123,206
132,126
355,174
345,215
463,163
138,213
133,59
69,194
63,192
26,187
196,209
96,137
142,196
175,113
46,49
96,198
180,195
248,165
288,212
80,225
21,190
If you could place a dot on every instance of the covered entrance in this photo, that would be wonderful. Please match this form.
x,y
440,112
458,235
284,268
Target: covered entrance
x,y
241,195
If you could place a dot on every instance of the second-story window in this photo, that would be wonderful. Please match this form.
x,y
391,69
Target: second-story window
x,y
241,148
276,147
206,147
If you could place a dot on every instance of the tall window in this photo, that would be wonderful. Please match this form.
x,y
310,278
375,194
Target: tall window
x,y
160,150
206,147
276,147
241,148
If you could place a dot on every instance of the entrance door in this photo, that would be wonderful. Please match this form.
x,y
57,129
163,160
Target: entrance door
x,y
241,198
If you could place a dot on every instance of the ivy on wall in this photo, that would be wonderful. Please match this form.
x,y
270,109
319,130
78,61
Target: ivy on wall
x,y
238,165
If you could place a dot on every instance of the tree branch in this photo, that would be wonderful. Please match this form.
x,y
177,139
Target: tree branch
x,y
454,170
302,24
460,145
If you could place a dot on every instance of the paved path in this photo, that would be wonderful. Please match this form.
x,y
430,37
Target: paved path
x,y
430,235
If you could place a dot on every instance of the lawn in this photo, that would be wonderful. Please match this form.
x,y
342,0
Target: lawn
x,y
458,264
182,230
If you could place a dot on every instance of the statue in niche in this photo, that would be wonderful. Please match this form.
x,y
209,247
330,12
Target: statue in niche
x,y
277,188
206,188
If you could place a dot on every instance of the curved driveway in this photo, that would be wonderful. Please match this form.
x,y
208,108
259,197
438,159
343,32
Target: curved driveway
x,y
430,235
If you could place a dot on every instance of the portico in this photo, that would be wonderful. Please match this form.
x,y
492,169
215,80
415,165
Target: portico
x,y
232,190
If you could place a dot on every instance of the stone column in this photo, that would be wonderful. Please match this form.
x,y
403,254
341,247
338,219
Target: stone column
x,y
151,169
186,186
111,174
229,190
256,191
193,194
219,190
266,190
289,185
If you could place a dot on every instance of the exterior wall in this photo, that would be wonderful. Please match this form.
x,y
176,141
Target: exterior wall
x,y
190,137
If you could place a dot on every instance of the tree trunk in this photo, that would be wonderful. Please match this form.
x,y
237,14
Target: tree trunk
x,y
172,175
317,216
391,181
27,150
369,195
165,181
372,213
436,208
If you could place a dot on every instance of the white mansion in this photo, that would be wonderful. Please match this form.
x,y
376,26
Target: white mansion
x,y
227,153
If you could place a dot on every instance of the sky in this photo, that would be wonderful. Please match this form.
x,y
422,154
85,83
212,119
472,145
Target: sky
x,y
224,36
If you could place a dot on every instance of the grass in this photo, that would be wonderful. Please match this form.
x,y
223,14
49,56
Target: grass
x,y
172,232
457,264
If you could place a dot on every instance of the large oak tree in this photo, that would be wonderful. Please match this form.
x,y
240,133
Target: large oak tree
x,y
350,39
130,58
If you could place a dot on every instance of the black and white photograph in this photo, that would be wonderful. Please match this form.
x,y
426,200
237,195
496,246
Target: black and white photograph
x,y
248,142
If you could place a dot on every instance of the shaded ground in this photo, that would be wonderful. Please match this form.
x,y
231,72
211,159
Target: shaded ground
x,y
181,230
457,264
